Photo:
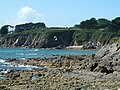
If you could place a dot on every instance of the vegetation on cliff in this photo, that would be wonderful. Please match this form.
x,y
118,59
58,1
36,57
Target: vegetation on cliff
x,y
113,25
38,35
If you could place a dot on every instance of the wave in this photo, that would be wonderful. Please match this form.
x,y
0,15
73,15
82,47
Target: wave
x,y
15,66
30,67
25,66
5,71
22,58
2,61
18,65
28,54
20,54
31,54
36,50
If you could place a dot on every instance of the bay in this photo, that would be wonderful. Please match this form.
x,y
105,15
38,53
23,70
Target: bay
x,y
23,53
35,53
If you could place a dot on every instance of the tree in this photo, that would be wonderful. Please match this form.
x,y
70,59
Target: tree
x,y
116,21
103,23
23,27
115,24
93,23
39,25
28,26
4,29
77,26
89,24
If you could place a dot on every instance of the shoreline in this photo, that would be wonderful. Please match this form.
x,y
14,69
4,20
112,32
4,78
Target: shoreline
x,y
64,72
73,47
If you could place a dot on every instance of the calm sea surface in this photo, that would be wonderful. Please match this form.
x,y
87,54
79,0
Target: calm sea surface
x,y
21,53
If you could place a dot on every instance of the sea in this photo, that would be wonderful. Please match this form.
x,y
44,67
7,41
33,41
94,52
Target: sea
x,y
24,53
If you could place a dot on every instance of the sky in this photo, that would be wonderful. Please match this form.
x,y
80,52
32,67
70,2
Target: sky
x,y
62,13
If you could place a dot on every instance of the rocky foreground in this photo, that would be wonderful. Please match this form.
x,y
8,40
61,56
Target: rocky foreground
x,y
86,72
65,73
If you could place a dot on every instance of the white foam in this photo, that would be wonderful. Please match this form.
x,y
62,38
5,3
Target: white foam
x,y
31,54
27,66
2,61
13,65
23,58
5,71
20,66
20,54
36,50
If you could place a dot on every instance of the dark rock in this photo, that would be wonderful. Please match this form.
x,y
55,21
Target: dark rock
x,y
93,66
104,69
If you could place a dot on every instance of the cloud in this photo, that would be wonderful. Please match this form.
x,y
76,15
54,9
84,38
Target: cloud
x,y
27,14
24,15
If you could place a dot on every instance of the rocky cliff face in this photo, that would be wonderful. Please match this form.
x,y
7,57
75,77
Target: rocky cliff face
x,y
109,51
109,56
57,39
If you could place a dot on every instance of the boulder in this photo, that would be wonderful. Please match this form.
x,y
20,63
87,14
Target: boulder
x,y
109,51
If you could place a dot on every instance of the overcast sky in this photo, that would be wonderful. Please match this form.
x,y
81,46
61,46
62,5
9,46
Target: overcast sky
x,y
56,12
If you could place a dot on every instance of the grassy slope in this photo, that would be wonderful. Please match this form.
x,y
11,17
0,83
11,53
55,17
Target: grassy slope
x,y
96,35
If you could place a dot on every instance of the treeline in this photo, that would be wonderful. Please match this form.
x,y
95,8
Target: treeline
x,y
19,28
102,23
28,26
93,23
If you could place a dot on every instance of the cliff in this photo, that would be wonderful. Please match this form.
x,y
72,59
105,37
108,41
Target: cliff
x,y
91,34
110,52
59,38
40,39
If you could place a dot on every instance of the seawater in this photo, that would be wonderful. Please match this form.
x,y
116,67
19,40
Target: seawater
x,y
22,53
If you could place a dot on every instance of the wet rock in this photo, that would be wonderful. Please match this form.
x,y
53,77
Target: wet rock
x,y
67,72
93,66
104,69
4,88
